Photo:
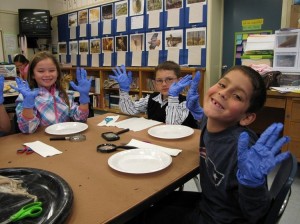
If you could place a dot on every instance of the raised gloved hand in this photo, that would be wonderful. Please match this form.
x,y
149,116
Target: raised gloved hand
x,y
122,78
177,87
192,98
83,87
255,163
28,94
1,89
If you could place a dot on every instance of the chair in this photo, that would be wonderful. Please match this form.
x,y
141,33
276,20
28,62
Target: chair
x,y
280,190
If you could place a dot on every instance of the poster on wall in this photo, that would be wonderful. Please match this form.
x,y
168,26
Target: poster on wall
x,y
107,12
137,42
121,43
196,37
72,19
94,15
136,7
173,39
107,44
173,4
95,46
73,47
154,41
62,48
83,16
83,46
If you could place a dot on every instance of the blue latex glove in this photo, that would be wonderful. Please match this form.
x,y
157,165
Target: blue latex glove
x,y
192,98
1,89
28,94
177,87
255,163
122,78
83,87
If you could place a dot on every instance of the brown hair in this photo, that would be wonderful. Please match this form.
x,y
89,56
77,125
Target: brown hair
x,y
32,82
169,65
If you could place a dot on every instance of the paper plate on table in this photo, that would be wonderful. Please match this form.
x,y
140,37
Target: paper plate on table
x,y
139,161
66,128
170,131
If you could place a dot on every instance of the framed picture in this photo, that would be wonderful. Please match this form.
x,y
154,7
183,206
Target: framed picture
x,y
154,5
196,37
154,41
173,39
173,4
95,46
72,19
107,44
121,43
94,15
73,47
83,46
107,12
62,47
83,16
136,7
137,42
121,9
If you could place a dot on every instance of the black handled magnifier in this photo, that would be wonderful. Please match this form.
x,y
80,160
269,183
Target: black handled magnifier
x,y
74,138
106,148
111,136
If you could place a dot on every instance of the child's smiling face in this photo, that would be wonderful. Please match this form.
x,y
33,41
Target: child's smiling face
x,y
226,103
45,73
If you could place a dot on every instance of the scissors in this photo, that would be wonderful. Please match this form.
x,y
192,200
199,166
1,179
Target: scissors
x,y
30,210
25,150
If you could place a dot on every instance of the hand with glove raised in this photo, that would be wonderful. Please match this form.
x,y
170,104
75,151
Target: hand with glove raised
x,y
192,99
1,89
177,87
28,94
256,162
83,87
122,78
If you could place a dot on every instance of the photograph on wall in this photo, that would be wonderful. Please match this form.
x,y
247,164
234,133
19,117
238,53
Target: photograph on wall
x,y
73,46
154,41
173,38
121,43
107,44
136,7
196,37
121,9
95,46
62,47
83,46
190,2
107,12
94,15
154,5
72,19
173,4
137,42
83,16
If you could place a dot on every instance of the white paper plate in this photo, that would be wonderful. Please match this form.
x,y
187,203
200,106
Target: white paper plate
x,y
139,161
66,128
170,131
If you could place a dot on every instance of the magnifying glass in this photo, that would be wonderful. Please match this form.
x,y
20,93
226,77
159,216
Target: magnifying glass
x,y
74,138
106,148
111,136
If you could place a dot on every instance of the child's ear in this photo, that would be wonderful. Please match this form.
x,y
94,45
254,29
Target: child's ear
x,y
248,119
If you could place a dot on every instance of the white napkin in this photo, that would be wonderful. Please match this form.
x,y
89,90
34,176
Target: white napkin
x,y
136,123
145,145
42,148
110,123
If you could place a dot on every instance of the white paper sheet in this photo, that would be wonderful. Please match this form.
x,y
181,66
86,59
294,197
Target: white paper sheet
x,y
173,17
42,148
154,19
109,123
95,60
173,55
82,30
83,59
196,13
94,29
121,58
146,145
136,123
121,24
137,22
72,32
106,26
136,58
153,57
74,59
107,58
194,55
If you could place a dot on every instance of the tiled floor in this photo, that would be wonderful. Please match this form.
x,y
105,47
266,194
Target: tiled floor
x,y
292,211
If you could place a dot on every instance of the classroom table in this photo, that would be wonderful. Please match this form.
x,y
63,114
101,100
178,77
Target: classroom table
x,y
101,194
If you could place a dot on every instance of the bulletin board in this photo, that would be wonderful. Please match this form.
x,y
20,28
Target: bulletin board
x,y
240,39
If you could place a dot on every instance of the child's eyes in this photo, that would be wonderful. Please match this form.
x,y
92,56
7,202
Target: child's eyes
x,y
221,85
236,96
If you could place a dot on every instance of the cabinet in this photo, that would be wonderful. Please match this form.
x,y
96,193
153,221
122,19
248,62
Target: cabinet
x,y
106,92
285,109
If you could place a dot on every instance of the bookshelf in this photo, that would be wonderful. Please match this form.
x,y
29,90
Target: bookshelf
x,y
106,92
